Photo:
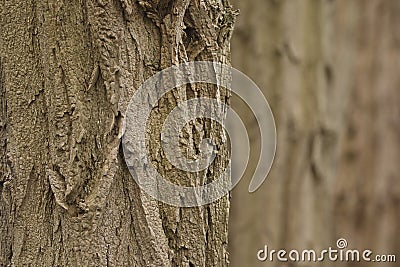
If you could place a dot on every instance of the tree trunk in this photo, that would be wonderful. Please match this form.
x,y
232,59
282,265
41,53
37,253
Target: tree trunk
x,y
67,72
367,206
299,56
330,72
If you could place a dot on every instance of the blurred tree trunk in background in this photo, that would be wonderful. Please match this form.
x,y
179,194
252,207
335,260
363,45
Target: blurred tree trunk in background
x,y
367,208
289,51
67,72
330,72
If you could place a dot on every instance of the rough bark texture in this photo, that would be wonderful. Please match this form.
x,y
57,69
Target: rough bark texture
x,y
67,72
330,72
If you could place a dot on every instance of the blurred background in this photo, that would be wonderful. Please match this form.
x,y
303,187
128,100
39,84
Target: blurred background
x,y
330,70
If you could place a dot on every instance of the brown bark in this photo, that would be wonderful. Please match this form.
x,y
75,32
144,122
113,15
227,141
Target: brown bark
x,y
68,69
329,70
368,190
290,55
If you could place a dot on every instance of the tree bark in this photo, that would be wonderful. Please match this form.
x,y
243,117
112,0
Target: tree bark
x,y
330,72
367,190
299,54
67,72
